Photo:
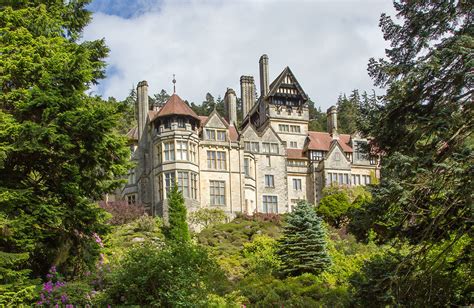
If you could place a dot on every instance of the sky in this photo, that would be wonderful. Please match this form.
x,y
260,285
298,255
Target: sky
x,y
209,44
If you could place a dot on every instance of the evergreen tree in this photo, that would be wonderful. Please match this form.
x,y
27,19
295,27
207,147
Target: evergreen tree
x,y
161,98
59,151
423,126
177,229
348,112
317,118
303,245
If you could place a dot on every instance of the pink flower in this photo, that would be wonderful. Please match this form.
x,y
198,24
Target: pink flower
x,y
97,239
48,286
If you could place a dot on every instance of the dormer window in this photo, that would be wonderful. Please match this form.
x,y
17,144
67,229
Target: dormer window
x,y
213,134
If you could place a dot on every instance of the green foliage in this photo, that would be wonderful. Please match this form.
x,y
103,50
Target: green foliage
x,y
174,276
423,126
317,118
58,147
389,277
122,238
226,241
303,245
206,217
333,208
261,255
16,288
177,229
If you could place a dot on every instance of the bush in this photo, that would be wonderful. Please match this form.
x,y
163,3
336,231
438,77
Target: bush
x,y
261,255
206,217
178,275
122,212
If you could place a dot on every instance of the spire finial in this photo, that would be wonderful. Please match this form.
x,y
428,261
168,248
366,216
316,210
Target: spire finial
x,y
174,84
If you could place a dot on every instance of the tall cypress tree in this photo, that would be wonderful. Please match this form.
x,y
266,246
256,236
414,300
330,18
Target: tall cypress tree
x,y
303,245
177,229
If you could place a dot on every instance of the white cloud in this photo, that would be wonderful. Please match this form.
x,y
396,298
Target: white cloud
x,y
209,45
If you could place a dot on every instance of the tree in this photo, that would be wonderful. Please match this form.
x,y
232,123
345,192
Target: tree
x,y
177,229
348,112
59,151
423,126
303,245
161,98
317,118
333,208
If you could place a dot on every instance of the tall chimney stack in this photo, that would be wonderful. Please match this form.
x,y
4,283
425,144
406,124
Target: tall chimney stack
x,y
230,100
332,120
142,102
247,92
263,75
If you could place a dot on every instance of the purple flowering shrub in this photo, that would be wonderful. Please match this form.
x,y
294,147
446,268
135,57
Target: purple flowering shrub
x,y
56,291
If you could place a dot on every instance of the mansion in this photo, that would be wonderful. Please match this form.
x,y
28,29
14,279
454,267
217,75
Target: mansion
x,y
266,163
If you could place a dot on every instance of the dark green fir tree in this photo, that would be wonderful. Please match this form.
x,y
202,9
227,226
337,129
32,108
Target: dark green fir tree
x,y
303,245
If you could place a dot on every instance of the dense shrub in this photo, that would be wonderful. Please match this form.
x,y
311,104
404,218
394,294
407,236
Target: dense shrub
x,y
177,275
206,217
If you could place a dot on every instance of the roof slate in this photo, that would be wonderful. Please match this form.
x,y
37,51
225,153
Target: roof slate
x,y
176,106
295,154
322,141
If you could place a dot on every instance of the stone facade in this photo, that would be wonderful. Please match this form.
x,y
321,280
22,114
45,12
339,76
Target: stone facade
x,y
266,164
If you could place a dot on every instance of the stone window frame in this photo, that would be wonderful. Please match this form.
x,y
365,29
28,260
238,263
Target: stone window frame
x,y
297,184
217,193
269,181
270,204
131,199
216,160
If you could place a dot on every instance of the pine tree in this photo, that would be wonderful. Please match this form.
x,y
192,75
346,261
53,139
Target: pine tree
x,y
303,245
177,229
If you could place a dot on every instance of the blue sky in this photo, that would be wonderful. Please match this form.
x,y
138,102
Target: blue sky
x,y
209,44
123,8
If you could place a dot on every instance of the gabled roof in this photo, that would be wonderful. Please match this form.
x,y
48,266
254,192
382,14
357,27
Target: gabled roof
x,y
275,85
233,133
176,106
132,133
321,141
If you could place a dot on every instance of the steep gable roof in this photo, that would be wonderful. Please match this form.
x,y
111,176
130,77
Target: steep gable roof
x,y
233,133
176,106
321,141
275,85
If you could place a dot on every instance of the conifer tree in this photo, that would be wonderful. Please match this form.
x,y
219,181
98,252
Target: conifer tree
x,y
59,150
303,245
423,127
177,229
